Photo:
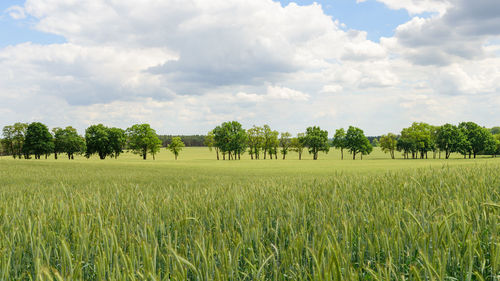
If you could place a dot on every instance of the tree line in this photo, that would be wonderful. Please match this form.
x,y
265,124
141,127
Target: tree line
x,y
22,140
466,138
230,140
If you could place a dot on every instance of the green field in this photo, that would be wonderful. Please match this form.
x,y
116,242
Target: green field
x,y
202,219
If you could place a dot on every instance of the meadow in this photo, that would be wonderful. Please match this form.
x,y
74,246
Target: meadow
x,y
201,219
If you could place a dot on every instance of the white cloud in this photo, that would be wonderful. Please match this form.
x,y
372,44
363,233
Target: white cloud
x,y
184,66
16,12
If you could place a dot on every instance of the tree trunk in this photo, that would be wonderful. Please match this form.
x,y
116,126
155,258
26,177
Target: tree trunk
x,y
55,155
341,153
354,155
175,156
144,155
217,151
474,155
300,155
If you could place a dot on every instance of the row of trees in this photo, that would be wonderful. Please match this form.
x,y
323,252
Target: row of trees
x,y
466,138
23,140
231,140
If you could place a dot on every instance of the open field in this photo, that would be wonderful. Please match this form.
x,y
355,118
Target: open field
x,y
202,219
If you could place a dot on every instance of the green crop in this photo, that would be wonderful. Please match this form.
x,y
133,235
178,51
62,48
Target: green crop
x,y
249,220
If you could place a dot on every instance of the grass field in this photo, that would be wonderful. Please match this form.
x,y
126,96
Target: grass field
x,y
202,219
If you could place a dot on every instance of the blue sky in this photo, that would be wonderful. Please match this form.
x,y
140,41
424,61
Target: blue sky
x,y
371,16
14,32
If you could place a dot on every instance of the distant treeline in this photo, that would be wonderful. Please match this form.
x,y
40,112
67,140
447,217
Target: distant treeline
x,y
189,140
230,140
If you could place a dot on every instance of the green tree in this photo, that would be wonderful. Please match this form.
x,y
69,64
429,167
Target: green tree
x,y
176,146
142,139
316,140
449,138
8,140
476,136
417,139
68,141
495,130
231,139
339,141
389,143
13,139
298,144
209,141
367,148
255,141
117,141
97,140
285,143
38,140
497,139
356,141
273,145
375,142
269,141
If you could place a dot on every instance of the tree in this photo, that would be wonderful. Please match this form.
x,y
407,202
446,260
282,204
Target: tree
x,y
417,139
255,141
270,138
366,148
497,139
68,141
339,141
176,146
316,140
495,130
97,140
142,139
449,138
210,143
297,144
38,140
356,141
476,136
13,139
8,140
230,138
389,143
118,140
273,144
375,142
285,143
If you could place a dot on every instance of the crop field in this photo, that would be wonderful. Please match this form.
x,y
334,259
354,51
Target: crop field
x,y
201,219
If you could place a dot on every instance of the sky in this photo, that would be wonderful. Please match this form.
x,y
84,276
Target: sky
x,y
185,66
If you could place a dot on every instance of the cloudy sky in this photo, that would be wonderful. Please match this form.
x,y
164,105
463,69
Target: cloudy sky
x,y
186,65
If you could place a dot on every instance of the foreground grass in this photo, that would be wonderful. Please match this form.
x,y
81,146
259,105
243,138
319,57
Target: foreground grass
x,y
250,220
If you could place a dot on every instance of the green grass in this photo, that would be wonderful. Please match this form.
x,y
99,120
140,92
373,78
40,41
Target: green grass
x,y
202,219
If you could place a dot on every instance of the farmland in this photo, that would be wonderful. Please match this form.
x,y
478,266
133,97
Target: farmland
x,y
201,219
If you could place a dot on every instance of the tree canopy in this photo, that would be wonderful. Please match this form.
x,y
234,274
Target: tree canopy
x,y
357,142
142,139
316,140
176,146
38,140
